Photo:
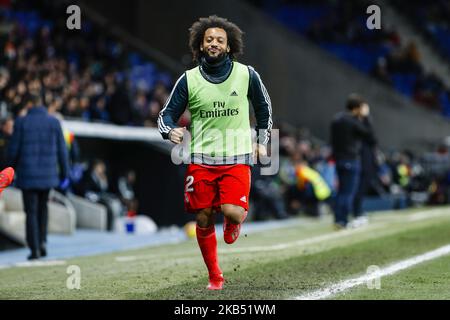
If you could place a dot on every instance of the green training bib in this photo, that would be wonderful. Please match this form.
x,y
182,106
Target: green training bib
x,y
220,124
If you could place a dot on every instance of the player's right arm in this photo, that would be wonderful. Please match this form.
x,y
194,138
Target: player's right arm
x,y
172,111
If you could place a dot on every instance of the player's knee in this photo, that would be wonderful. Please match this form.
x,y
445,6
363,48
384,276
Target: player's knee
x,y
234,213
205,218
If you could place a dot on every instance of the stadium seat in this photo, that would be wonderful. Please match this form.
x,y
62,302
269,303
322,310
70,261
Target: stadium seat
x,y
90,215
61,215
404,83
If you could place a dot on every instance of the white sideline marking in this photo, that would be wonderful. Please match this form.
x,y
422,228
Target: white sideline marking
x,y
389,270
428,214
42,263
37,263
126,258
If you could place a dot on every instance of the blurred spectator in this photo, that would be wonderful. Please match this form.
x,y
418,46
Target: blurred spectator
x,y
405,60
98,110
326,166
267,197
95,187
381,73
401,168
383,182
119,106
73,150
435,178
127,192
311,189
141,108
305,188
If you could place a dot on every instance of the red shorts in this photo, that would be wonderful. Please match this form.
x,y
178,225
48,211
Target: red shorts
x,y
211,186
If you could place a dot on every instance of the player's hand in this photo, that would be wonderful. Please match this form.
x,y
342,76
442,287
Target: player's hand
x,y
259,150
176,135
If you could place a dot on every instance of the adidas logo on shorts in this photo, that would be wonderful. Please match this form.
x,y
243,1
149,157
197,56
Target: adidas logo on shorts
x,y
243,199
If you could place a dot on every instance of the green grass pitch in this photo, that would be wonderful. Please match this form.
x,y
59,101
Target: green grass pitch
x,y
274,264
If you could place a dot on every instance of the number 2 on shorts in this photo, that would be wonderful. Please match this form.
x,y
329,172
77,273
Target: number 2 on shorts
x,y
189,182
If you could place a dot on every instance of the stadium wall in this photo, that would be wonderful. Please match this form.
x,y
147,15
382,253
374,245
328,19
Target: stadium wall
x,y
307,85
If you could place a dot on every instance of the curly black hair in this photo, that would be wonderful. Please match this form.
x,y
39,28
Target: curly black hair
x,y
197,32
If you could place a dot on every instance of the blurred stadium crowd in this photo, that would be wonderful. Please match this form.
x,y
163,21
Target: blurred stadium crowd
x,y
307,179
83,74
91,76
340,28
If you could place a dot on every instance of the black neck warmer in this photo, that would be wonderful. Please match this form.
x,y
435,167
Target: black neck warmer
x,y
216,72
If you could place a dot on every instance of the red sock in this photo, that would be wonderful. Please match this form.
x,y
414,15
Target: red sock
x,y
207,241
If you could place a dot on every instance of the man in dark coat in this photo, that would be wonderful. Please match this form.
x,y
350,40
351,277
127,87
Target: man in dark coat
x,y
348,131
38,153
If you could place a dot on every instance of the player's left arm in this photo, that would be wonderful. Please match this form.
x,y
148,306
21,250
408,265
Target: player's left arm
x,y
262,106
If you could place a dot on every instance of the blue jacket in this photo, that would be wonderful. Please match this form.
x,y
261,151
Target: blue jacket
x,y
37,151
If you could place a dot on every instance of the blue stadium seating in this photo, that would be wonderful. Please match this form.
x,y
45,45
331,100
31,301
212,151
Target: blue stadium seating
x,y
442,35
444,99
404,82
142,73
300,18
363,57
